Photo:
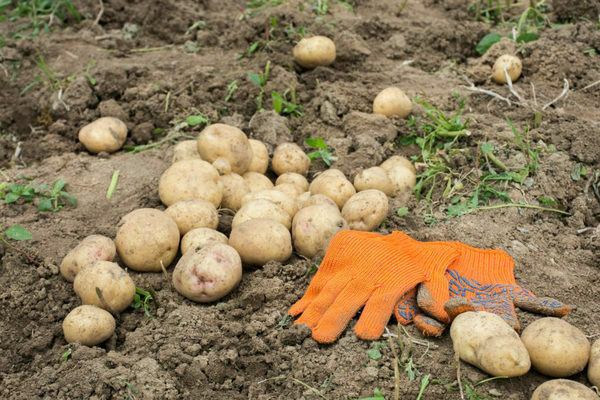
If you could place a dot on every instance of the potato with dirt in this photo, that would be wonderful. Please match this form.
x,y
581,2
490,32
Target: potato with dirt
x,y
261,208
289,157
397,160
392,102
281,199
257,182
91,248
593,372
513,67
228,142
563,389
147,240
374,178
260,157
403,179
294,178
106,134
88,325
193,213
106,285
261,240
190,179
207,274
313,227
201,237
307,200
366,210
234,188
337,189
185,150
290,189
314,51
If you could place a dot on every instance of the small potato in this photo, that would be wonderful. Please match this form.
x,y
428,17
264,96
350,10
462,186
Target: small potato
x,y
91,248
189,179
290,189
392,102
316,199
563,389
281,199
147,238
261,240
222,166
293,177
594,365
185,150
374,178
201,237
260,157
192,214
402,178
234,188
313,228
208,274
394,161
88,325
261,208
314,51
257,182
115,285
337,189
104,134
484,340
366,210
513,66
556,348
289,157
226,141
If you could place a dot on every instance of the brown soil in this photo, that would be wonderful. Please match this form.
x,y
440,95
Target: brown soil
x,y
237,348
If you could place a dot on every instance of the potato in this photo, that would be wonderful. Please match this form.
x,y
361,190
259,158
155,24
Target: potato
x,y
88,325
402,178
513,67
91,248
293,177
290,189
222,166
313,228
115,285
374,178
337,189
201,237
261,240
147,238
392,102
104,134
316,199
257,182
260,157
234,188
314,51
394,161
289,157
189,179
563,389
594,365
556,348
366,210
192,214
486,341
303,198
185,150
226,141
328,173
208,274
281,199
261,208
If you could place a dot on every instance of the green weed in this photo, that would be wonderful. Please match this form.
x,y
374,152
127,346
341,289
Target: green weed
x,y
260,79
47,76
65,356
323,153
282,105
377,395
143,299
16,232
51,197
231,88
255,7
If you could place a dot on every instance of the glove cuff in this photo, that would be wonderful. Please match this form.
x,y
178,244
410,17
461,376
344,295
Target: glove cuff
x,y
489,266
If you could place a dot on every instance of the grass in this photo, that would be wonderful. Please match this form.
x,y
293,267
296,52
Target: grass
x,y
260,80
324,152
143,299
286,103
50,197
47,76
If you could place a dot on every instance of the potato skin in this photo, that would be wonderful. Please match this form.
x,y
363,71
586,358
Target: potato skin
x,y
290,189
293,177
557,348
394,161
594,364
91,248
185,150
261,240
226,141
260,157
208,274
289,157
145,237
392,102
313,227
88,325
315,199
314,51
201,237
374,178
402,178
116,286
257,182
189,179
513,67
104,134
281,199
261,208
192,214
563,389
366,210
234,188
337,189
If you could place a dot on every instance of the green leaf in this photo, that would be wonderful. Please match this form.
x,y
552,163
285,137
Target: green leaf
x,y
407,140
255,78
45,205
487,147
320,143
59,185
374,353
487,41
194,120
402,211
527,37
71,199
11,198
17,232
65,356
377,396
277,102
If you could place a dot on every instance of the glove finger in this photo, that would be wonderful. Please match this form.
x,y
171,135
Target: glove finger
x,y
314,311
500,305
458,305
542,305
431,297
376,314
406,309
429,326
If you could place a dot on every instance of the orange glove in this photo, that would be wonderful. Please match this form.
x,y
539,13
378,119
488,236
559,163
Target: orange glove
x,y
374,271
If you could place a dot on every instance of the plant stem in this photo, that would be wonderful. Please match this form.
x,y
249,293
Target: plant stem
x,y
498,163
518,205
448,134
29,258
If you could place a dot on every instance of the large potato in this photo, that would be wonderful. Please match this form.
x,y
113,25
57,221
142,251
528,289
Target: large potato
x,y
185,150
513,66
147,238
114,284
234,188
328,173
209,273
293,177
556,348
315,199
484,340
290,189
261,208
314,51
394,161
261,240
104,134
313,228
289,157
226,141
402,178
201,237
594,365
374,178
337,189
91,248
563,389
257,182
260,157
88,325
189,179
281,199
392,102
192,214
366,210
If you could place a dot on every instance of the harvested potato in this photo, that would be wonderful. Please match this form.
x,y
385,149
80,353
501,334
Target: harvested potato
x,y
394,161
185,150
226,141
222,166
328,173
366,210
209,273
374,178
104,134
337,189
563,389
290,189
594,365
189,179
556,348
261,208
192,214
513,66
260,157
486,341
88,325
281,199
316,199
201,237
392,102
234,188
114,284
313,228
289,157
257,182
261,240
293,177
91,248
147,238
402,178
314,51
303,198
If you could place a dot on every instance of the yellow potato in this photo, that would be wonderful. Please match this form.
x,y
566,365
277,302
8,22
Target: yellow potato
x,y
392,102
293,177
201,237
222,166
257,182
394,161
261,208
281,199
234,188
513,66
337,189
366,210
316,199
189,179
115,285
374,178
88,325
402,178
594,364
185,150
563,389
289,157
314,51
260,157
313,228
192,214
328,173
226,141
92,248
290,189
261,240
104,134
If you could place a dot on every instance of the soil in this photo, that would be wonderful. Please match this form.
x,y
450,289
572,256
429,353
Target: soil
x,y
241,347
